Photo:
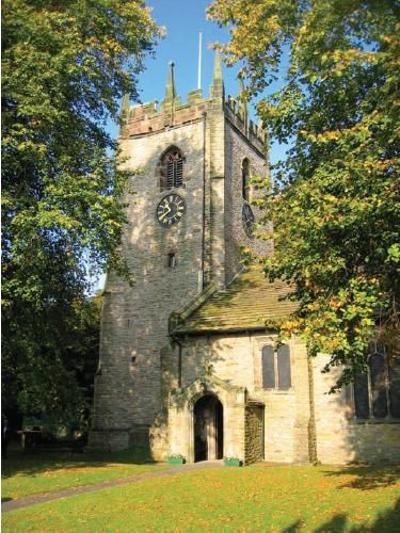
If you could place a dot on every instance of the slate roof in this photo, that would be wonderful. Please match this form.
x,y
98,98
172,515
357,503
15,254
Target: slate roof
x,y
246,304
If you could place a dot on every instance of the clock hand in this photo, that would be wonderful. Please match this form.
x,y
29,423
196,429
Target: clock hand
x,y
165,213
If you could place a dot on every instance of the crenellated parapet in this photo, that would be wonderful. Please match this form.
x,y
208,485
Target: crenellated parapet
x,y
154,116
172,112
151,117
236,114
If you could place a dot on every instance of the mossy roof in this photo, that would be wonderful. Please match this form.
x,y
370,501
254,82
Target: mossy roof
x,y
246,304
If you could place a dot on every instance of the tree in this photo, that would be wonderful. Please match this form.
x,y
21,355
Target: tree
x,y
335,206
65,65
49,376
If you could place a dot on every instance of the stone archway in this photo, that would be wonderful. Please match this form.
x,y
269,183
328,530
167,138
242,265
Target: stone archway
x,y
208,428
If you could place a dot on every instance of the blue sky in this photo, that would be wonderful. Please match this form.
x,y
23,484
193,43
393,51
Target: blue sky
x,y
183,20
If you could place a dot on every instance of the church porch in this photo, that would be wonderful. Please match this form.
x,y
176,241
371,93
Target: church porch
x,y
214,420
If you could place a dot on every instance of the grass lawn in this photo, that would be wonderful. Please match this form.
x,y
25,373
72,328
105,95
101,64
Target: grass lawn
x,y
257,498
39,472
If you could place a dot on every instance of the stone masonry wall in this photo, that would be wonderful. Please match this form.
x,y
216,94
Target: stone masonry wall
x,y
238,148
341,438
254,434
130,391
236,359
135,319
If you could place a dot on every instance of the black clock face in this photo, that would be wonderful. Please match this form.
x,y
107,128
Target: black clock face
x,y
170,209
248,220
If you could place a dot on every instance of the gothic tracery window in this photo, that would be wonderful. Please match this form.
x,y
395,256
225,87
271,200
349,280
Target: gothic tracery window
x,y
377,392
171,169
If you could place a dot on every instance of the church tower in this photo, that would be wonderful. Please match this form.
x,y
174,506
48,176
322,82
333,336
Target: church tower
x,y
189,214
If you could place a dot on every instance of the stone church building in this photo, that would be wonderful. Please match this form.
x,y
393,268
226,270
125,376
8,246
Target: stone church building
x,y
187,364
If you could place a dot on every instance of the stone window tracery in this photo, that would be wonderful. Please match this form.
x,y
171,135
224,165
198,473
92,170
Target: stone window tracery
x,y
377,392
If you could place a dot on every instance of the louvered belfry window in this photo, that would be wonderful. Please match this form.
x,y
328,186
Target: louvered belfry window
x,y
172,169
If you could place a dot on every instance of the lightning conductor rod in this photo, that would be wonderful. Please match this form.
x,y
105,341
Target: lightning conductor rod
x,y
199,61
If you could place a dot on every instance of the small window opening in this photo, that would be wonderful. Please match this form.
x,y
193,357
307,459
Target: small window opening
x,y
171,260
246,179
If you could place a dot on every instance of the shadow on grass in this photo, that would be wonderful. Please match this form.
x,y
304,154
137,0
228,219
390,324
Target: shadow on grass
x,y
19,462
386,522
293,528
368,477
335,524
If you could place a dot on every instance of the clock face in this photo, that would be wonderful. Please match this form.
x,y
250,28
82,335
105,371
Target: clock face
x,y
248,219
170,209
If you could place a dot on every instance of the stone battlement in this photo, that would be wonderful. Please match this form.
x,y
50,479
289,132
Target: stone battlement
x,y
236,112
153,117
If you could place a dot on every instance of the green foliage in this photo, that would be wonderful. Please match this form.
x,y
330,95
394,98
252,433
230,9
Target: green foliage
x,y
336,203
64,67
48,368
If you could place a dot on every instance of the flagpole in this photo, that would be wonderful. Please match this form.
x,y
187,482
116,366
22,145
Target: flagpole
x,y
199,61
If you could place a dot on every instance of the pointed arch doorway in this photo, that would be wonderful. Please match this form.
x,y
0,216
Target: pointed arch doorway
x,y
208,424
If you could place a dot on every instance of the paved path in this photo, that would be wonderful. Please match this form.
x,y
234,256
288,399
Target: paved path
x,y
84,489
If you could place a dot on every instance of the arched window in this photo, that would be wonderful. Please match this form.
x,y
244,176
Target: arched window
x,y
377,374
377,392
268,367
171,169
394,386
284,374
246,179
276,372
